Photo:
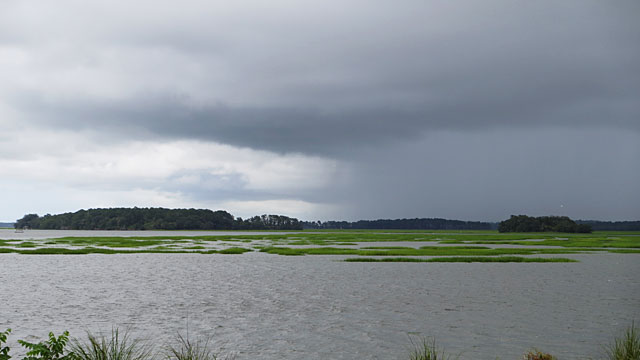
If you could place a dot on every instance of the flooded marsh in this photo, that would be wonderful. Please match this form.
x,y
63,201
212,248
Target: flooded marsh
x,y
346,302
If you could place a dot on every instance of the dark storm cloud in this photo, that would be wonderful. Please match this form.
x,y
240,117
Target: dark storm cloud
x,y
274,129
328,130
375,80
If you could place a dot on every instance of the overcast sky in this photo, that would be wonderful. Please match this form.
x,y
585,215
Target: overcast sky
x,y
321,110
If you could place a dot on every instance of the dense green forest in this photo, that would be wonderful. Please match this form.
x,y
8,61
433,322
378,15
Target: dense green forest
x,y
155,219
401,224
524,223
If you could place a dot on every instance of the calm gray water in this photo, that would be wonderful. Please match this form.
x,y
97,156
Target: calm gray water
x,y
262,306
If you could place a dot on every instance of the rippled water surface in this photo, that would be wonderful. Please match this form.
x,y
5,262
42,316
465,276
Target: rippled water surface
x,y
262,306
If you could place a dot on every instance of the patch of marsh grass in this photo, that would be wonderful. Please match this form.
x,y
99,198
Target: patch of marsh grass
x,y
426,349
299,243
111,241
538,355
26,244
116,347
385,248
234,251
186,349
627,347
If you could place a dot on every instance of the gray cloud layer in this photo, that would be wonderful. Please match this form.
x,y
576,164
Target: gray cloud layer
x,y
289,81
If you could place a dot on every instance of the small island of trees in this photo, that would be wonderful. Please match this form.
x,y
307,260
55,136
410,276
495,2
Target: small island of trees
x,y
524,223
155,219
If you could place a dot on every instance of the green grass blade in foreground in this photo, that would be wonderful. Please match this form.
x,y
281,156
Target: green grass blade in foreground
x,y
116,347
426,349
190,350
627,347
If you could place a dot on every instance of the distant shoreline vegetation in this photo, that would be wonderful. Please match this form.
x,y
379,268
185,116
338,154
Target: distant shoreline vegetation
x,y
402,224
524,223
204,219
446,224
155,219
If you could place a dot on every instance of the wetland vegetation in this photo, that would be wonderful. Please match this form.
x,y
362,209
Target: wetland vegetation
x,y
117,346
395,224
352,246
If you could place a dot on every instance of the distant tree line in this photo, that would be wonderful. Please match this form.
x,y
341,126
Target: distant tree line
x,y
401,224
204,219
611,225
155,219
524,223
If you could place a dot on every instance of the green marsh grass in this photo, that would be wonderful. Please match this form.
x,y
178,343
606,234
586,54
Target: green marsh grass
x,y
474,243
627,347
187,349
194,247
26,244
116,347
426,349
234,250
114,241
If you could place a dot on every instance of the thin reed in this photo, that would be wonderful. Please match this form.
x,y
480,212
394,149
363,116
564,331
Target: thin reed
x,y
190,350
